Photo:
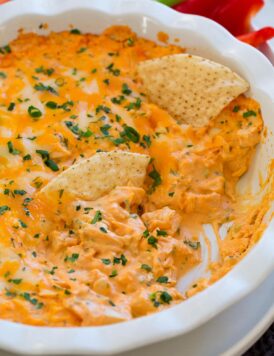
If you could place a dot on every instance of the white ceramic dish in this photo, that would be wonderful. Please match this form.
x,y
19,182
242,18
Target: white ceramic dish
x,y
220,336
200,36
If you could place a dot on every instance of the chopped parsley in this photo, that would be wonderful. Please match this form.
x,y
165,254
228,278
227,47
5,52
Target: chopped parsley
x,y
10,294
130,42
134,105
236,108
33,301
147,141
104,230
115,71
6,191
5,49
82,49
106,261
19,192
27,157
48,162
130,133
74,128
146,267
165,297
42,87
34,112
146,233
51,105
75,31
103,108
66,105
118,100
52,271
162,279
105,129
161,233
120,260
152,241
126,90
118,141
74,257
113,274
161,297
15,281
46,71
27,201
24,225
249,113
12,150
157,180
97,217
3,75
11,106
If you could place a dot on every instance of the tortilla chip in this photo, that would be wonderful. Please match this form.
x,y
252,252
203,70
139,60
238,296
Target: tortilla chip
x,y
98,175
192,89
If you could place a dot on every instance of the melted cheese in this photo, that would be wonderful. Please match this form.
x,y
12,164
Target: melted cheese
x,y
66,262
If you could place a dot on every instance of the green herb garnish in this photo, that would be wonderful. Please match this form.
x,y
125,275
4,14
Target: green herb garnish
x,y
97,217
74,257
249,113
161,233
157,180
48,162
162,279
130,133
34,112
12,150
152,241
106,261
75,31
113,274
115,71
11,106
146,267
126,90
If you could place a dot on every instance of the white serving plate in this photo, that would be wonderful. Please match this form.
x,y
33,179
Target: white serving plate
x,y
200,36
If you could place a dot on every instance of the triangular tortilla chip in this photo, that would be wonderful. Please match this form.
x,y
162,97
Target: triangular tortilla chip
x,y
191,88
98,175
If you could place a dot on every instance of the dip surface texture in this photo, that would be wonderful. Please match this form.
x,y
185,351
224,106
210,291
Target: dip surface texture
x,y
71,262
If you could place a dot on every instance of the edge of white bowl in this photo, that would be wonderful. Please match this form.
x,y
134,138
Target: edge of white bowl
x,y
183,318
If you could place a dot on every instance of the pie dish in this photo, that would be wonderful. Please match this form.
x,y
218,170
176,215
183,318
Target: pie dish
x,y
224,49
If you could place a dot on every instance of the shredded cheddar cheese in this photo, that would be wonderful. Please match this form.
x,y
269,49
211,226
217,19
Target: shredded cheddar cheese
x,y
66,262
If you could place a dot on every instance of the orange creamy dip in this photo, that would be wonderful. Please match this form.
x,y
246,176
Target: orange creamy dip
x,y
67,262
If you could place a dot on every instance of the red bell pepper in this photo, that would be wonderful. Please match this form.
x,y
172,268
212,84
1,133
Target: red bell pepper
x,y
259,37
235,15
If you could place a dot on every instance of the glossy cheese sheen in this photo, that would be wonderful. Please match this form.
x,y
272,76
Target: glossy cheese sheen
x,y
67,262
